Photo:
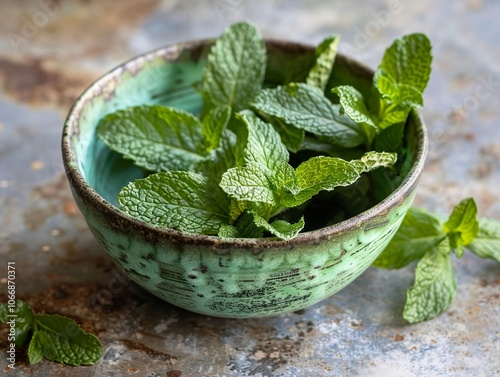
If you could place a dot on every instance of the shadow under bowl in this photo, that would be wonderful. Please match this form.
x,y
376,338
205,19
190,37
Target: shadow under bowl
x,y
233,278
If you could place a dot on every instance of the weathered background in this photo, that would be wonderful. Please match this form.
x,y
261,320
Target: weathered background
x,y
50,51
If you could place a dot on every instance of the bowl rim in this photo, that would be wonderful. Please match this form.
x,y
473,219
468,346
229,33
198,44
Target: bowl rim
x,y
120,219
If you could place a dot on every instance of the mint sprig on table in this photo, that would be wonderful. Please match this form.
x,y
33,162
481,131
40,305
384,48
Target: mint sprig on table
x,y
238,168
51,336
428,239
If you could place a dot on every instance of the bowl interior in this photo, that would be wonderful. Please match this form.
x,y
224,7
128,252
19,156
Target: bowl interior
x,y
170,77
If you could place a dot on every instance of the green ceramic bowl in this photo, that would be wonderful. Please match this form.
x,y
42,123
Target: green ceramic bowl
x,y
234,278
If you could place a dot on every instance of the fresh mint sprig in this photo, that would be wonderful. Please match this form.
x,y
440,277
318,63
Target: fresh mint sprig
x,y
430,240
52,337
235,68
306,107
157,138
400,81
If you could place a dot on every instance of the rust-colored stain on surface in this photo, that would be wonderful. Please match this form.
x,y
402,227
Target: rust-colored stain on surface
x,y
41,82
134,345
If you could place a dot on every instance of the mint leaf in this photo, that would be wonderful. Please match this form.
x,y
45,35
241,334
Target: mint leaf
x,y
326,173
36,347
248,183
228,231
219,160
247,227
216,164
236,208
68,343
390,139
3,313
307,108
49,350
419,232
353,105
394,115
291,136
178,200
214,123
285,180
24,321
373,160
235,69
405,69
434,287
280,228
462,226
157,138
325,57
263,146
317,174
397,92
487,241
251,225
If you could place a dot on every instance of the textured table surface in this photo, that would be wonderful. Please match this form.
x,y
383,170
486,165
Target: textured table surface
x,y
49,52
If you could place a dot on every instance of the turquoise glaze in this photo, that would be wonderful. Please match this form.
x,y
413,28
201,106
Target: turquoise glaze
x,y
227,278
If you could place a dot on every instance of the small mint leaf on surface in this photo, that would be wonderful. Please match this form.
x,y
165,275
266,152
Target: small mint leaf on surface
x,y
179,200
487,241
325,58
235,68
405,70
39,341
24,320
462,225
434,287
157,138
64,341
3,313
306,107
419,232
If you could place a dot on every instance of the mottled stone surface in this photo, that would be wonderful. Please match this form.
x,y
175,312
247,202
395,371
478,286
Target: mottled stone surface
x,y
357,332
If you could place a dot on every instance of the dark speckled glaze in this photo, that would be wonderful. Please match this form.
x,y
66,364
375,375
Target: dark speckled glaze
x,y
226,278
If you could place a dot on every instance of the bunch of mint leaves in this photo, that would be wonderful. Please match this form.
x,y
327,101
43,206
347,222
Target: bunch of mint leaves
x,y
430,240
50,336
237,169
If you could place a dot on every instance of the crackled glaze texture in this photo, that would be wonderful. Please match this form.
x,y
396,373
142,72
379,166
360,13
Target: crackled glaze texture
x,y
226,278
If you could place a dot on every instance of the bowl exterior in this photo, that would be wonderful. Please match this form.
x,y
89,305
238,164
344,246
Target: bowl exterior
x,y
237,282
226,278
